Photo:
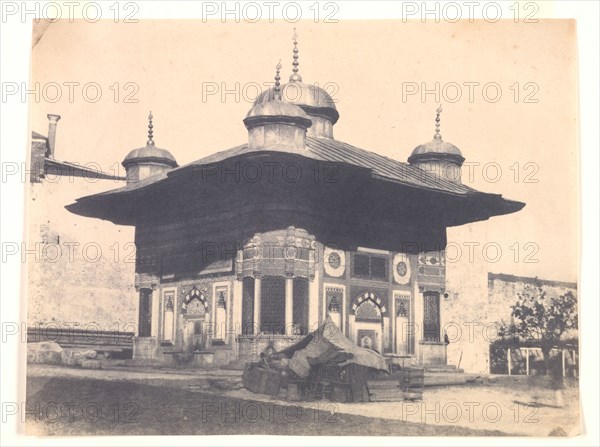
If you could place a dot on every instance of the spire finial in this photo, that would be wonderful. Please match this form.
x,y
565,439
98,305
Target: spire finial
x,y
438,135
295,76
277,89
150,126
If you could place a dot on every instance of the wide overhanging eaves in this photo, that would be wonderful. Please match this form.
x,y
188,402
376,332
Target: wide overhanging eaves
x,y
121,206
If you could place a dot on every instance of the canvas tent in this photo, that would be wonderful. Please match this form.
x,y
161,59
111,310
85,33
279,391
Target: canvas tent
x,y
327,345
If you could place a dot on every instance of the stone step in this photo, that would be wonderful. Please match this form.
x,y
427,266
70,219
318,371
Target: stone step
x,y
448,369
443,379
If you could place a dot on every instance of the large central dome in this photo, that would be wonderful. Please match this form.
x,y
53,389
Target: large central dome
x,y
311,98
314,100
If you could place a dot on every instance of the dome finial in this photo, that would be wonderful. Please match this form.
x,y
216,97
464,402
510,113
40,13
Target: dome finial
x,y
438,135
295,76
277,89
150,126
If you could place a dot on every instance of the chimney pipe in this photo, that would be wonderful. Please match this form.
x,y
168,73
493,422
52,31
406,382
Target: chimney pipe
x,y
52,133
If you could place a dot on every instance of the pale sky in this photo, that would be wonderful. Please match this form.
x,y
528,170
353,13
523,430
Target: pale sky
x,y
368,65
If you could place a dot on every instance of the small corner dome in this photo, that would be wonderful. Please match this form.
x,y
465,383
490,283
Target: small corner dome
x,y
436,148
150,154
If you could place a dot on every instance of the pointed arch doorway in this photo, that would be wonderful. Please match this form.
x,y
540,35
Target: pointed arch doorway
x,y
368,311
196,316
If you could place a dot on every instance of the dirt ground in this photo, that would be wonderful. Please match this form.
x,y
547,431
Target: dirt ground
x,y
69,401
512,410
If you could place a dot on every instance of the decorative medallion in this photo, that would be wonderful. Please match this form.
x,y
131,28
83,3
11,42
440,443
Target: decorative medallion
x,y
334,262
401,269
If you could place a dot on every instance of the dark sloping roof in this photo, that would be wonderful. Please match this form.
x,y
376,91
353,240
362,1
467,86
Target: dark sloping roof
x,y
338,151
325,149
328,150
465,205
64,168
38,136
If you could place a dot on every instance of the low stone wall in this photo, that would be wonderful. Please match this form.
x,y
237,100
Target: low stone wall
x,y
51,353
433,353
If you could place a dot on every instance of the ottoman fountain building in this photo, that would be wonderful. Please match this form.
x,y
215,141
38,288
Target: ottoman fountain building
x,y
257,244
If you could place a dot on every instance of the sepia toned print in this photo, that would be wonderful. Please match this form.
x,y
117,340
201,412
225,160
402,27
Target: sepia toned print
x,y
310,228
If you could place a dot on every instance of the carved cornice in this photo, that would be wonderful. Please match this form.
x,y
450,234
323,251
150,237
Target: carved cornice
x,y
146,281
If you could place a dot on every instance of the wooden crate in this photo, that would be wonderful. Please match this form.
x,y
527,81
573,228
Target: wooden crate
x,y
261,380
411,378
412,382
392,393
385,389
343,384
402,384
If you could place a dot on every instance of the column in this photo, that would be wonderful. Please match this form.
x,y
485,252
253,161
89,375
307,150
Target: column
x,y
394,325
256,317
315,315
236,309
154,297
344,314
417,329
137,312
289,305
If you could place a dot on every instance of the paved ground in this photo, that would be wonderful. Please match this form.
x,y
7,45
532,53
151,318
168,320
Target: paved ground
x,y
128,401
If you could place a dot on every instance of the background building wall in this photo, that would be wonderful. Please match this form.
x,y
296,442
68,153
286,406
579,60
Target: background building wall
x,y
81,271
477,301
